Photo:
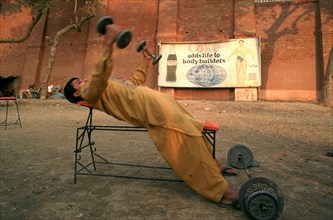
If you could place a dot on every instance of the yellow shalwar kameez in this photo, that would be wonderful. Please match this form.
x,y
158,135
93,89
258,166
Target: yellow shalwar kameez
x,y
176,134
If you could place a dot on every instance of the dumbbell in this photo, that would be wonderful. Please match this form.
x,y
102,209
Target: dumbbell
x,y
142,47
259,197
123,37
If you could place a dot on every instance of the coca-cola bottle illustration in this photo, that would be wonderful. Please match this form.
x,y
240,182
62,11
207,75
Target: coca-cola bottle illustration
x,y
171,65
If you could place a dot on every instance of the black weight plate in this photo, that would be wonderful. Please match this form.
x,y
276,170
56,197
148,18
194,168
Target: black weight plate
x,y
124,38
262,205
234,154
102,22
260,184
156,59
141,46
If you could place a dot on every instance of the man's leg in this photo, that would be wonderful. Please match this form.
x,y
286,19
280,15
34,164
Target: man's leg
x,y
238,70
244,67
191,160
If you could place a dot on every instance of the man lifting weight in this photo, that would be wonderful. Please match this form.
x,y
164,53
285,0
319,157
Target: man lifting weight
x,y
176,134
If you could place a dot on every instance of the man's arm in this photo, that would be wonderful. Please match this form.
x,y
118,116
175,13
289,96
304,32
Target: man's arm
x,y
103,68
140,75
233,53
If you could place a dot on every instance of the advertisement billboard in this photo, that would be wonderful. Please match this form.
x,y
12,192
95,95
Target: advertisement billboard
x,y
235,63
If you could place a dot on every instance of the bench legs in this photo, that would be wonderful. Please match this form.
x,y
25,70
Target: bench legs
x,y
18,120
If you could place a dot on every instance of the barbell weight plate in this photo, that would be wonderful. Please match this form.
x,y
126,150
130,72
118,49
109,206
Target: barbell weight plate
x,y
156,59
262,205
261,185
124,38
141,46
102,22
234,154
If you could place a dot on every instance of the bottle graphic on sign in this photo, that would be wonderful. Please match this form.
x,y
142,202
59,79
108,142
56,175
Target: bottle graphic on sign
x,y
171,65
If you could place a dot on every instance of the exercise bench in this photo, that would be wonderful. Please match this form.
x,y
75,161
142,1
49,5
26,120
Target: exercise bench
x,y
7,101
89,168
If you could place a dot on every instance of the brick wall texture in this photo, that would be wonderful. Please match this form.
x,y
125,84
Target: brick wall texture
x,y
296,38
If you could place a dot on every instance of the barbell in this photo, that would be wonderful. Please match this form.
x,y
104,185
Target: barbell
x,y
259,197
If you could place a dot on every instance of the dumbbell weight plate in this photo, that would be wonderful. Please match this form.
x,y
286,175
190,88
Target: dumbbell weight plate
x,y
124,38
141,46
240,150
102,22
156,59
260,198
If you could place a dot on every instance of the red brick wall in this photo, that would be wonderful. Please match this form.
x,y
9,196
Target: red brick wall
x,y
13,56
71,50
326,29
29,59
293,56
288,50
200,20
141,18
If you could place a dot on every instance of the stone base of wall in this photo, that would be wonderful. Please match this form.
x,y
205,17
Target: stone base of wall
x,y
289,95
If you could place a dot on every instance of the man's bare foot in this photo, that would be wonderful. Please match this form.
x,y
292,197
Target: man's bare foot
x,y
225,170
230,199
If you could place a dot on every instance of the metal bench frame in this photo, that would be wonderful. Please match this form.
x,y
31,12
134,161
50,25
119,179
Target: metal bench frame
x,y
90,169
18,120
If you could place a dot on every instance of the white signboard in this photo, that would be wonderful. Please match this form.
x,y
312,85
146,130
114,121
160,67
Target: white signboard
x,y
235,63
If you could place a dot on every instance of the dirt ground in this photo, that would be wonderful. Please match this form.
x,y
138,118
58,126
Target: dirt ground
x,y
288,139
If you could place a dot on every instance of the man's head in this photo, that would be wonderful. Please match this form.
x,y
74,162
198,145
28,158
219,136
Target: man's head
x,y
72,90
